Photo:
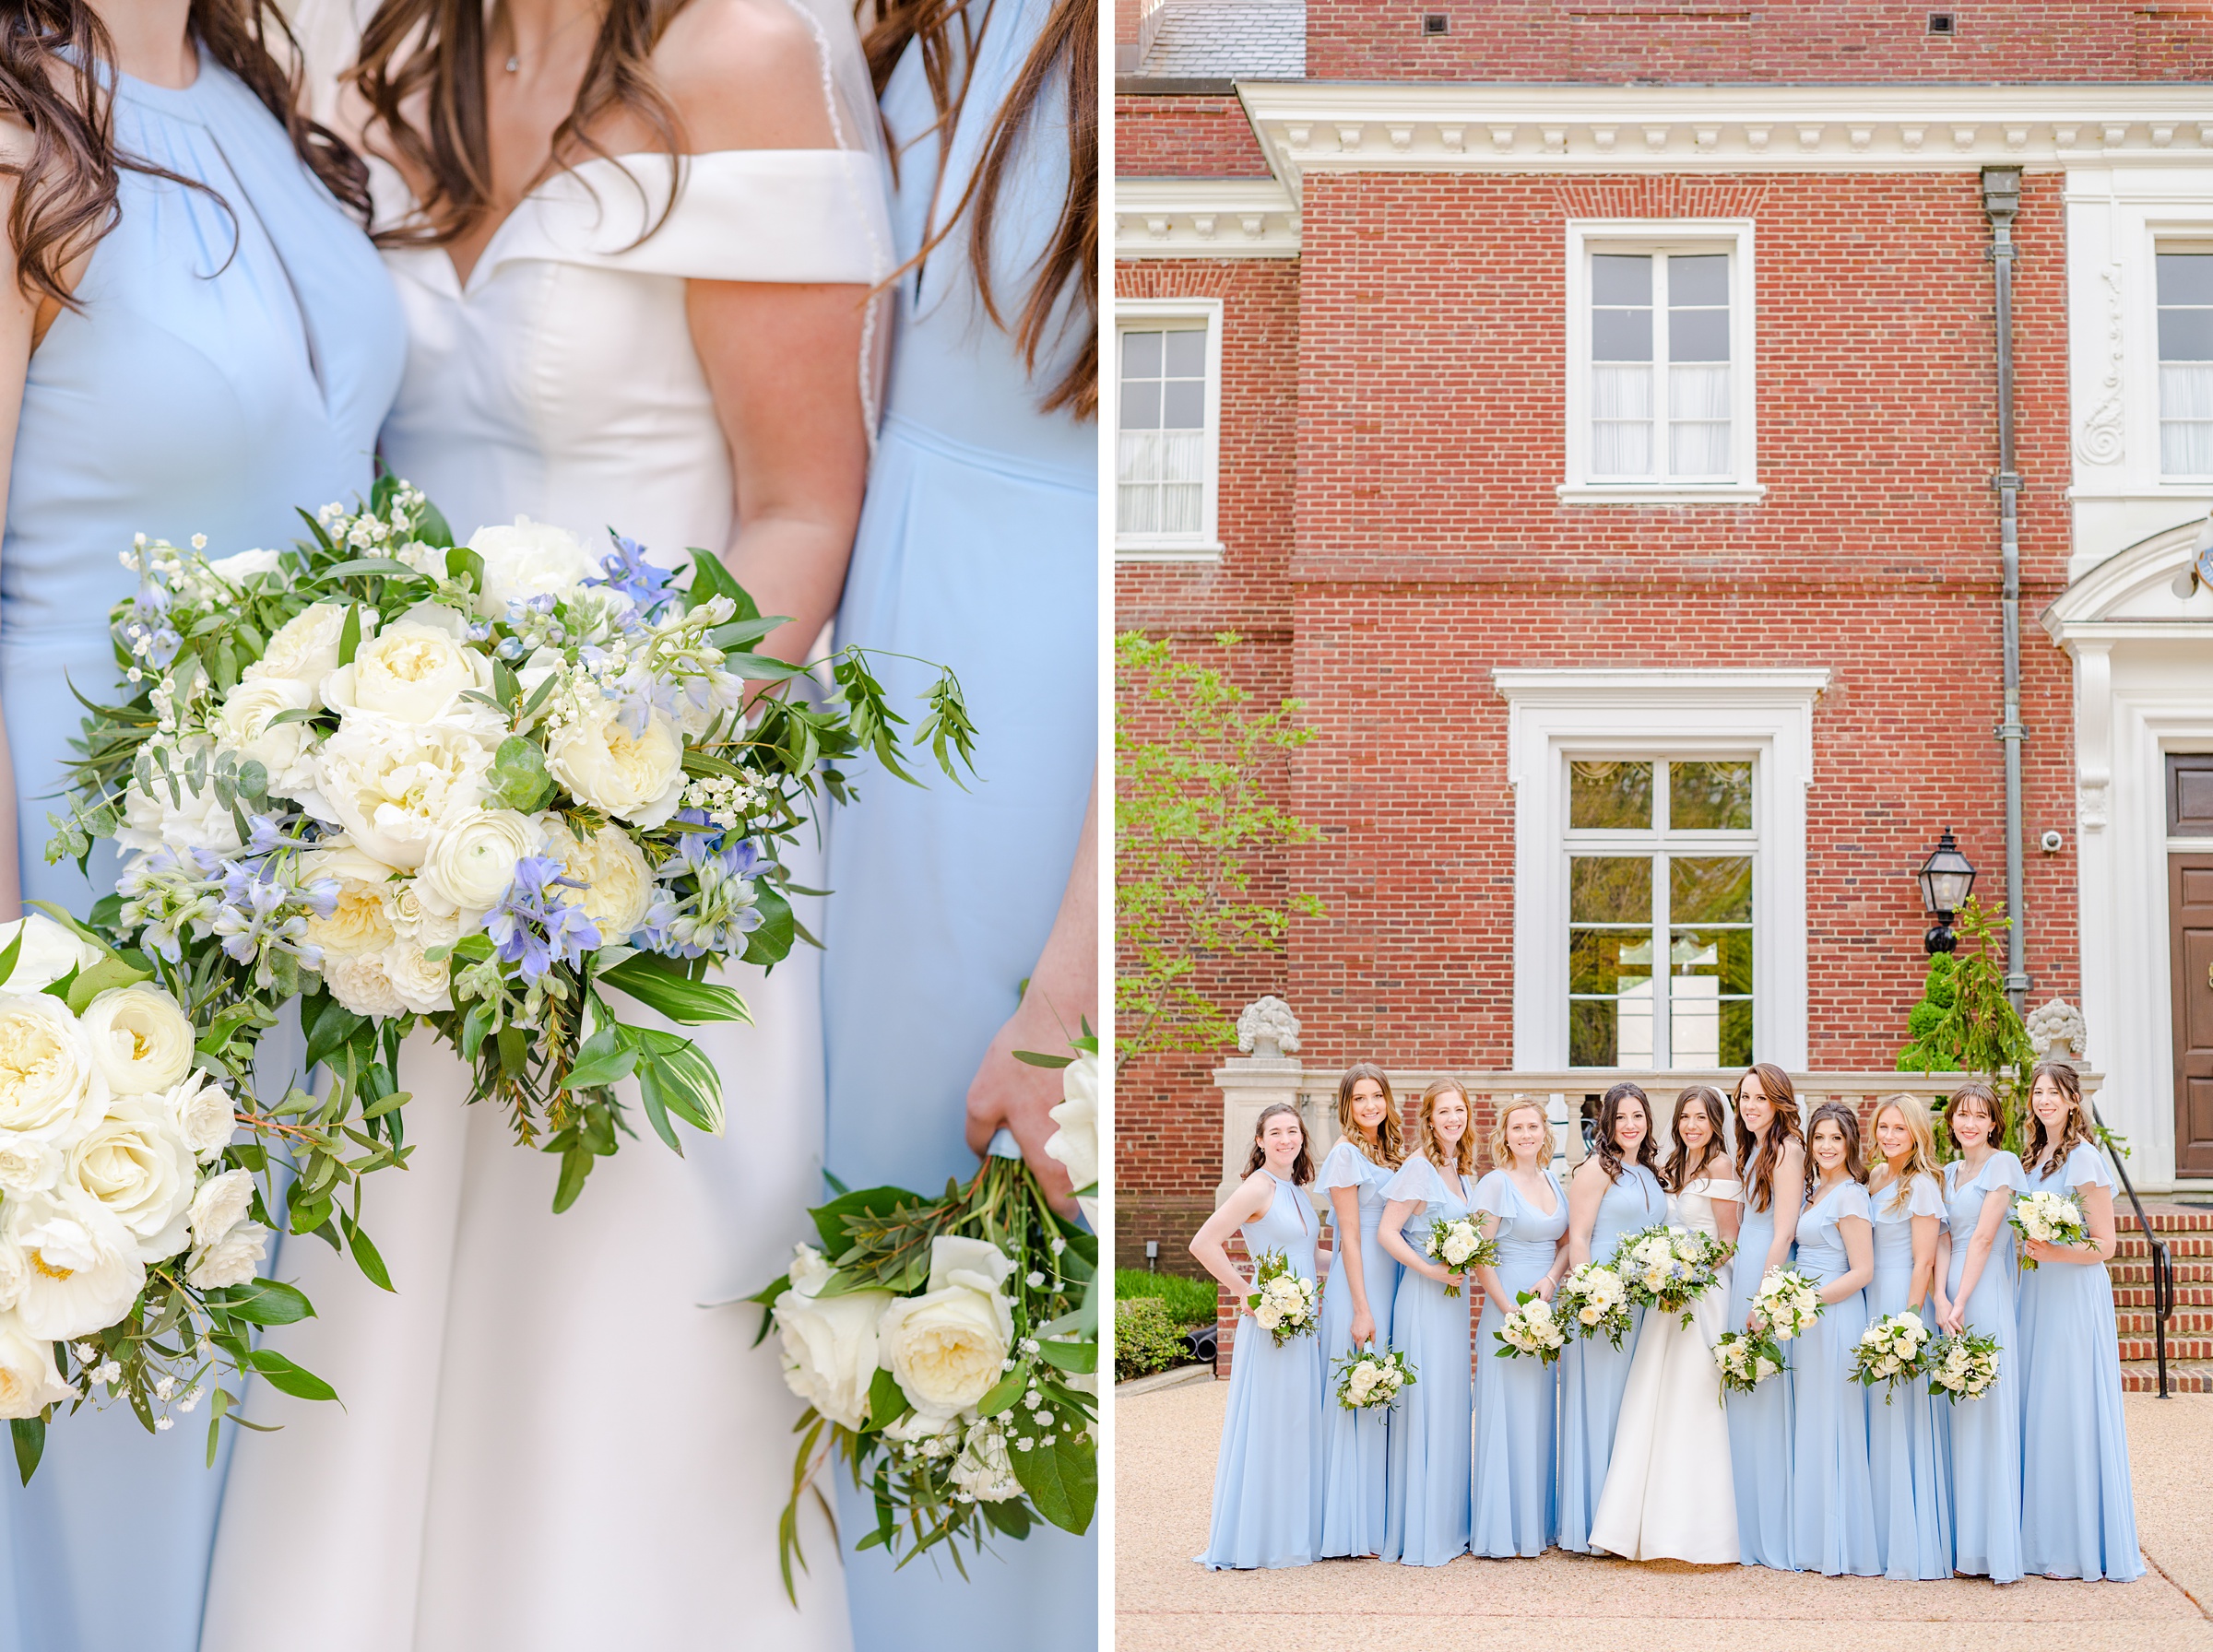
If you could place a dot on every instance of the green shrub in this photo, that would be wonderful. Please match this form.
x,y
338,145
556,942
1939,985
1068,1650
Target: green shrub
x,y
1146,1339
1191,1302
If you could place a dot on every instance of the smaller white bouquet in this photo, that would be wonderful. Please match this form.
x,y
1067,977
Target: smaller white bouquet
x,y
1531,1329
1670,1267
2055,1218
1962,1366
1593,1302
1367,1377
1890,1352
1461,1245
1746,1360
1789,1302
1283,1301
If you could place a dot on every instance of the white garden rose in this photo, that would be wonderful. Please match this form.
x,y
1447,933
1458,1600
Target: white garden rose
x,y
187,819
230,1260
618,884
421,983
242,564
361,921
305,648
1076,1142
205,1115
136,1163
49,951
640,780
414,670
28,1379
362,983
946,1345
984,1470
394,786
245,726
810,1269
830,1351
1268,1315
142,1042
221,1205
51,1087
28,1164
528,559
81,1267
471,861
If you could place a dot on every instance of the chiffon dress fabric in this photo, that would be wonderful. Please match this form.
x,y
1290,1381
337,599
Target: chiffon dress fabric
x,y
1594,1373
1355,1443
1760,1422
1514,1501
236,348
2078,1516
1905,1463
977,549
1669,1492
1979,1441
494,1480
1267,1509
1426,1522
1832,1497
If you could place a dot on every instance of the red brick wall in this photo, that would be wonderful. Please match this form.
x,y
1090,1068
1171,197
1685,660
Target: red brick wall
x,y
1179,136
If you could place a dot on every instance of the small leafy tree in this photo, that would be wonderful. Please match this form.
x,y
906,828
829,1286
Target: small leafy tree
x,y
1965,1023
1191,818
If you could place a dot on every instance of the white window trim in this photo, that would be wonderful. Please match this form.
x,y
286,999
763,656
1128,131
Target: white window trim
x,y
1205,546
1733,235
1555,715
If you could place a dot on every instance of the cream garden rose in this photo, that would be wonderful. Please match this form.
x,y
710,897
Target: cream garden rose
x,y
363,918
221,1205
247,725
618,884
414,670
424,985
79,1266
830,1355
471,861
28,1166
136,1163
46,953
141,1041
528,559
1076,1142
638,779
364,984
305,648
946,1346
28,1379
205,1115
51,1087
394,786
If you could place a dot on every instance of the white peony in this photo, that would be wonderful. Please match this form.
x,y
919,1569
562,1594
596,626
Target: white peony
x,y
361,921
946,1345
243,726
529,559
136,1163
830,1351
28,1379
51,1087
221,1205
414,670
471,861
394,786
983,1469
639,779
618,884
364,984
28,1164
141,1040
305,648
80,1270
48,953
1076,1142
205,1115
188,819
241,565
230,1260
423,985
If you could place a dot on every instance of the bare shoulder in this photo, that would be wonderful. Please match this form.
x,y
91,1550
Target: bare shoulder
x,y
744,75
1588,1174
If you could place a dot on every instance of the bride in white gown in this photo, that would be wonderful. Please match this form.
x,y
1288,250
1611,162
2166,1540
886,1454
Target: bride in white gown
x,y
1669,1493
547,1442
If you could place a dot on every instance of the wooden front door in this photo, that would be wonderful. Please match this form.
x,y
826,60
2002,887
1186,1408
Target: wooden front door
x,y
2190,917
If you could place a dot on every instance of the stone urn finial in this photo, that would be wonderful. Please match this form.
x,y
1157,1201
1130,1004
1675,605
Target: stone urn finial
x,y
2056,1032
1267,1030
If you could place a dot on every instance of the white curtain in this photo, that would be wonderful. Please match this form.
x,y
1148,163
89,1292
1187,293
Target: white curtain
x,y
2187,419
1697,412
1621,420
1162,481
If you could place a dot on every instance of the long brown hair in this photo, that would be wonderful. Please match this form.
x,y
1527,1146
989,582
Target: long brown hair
x,y
2077,1128
56,77
1390,1147
1757,1174
1609,1119
1993,1108
1848,1125
1302,1168
1464,1154
1680,1171
1067,50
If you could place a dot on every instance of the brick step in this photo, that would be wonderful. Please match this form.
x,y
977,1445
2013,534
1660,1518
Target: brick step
x,y
2183,1322
2188,1270
2185,1296
2178,1348
2168,1218
2142,1377
2131,1244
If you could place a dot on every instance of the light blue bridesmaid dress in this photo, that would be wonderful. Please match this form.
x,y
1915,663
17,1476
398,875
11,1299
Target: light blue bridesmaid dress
x,y
2078,1516
1760,1422
233,361
1268,1476
1515,1497
1593,1372
1832,1499
1355,1444
978,549
1426,1523
1913,1502
1979,1441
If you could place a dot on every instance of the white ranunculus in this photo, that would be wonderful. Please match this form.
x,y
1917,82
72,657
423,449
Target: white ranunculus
x,y
946,1345
361,921
471,861
242,564
528,559
983,1469
243,726
230,1260
1076,1142
618,884
423,985
414,670
28,1379
305,648
135,1161
830,1351
364,984
81,1267
49,952
142,1042
205,1115
221,1205
51,1087
394,786
639,780
189,819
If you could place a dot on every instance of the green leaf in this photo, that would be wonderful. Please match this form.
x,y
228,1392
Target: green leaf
x,y
656,1108
462,563
287,1377
656,983
104,976
327,1026
215,1422
365,1255
829,1220
600,1062
30,1443
1063,1481
1070,1356
772,941
7,958
887,1401
389,567
711,579
1033,1058
432,527
264,1302
1005,1392
1009,1516
518,774
350,634
384,1104
575,1164
688,1084
515,1050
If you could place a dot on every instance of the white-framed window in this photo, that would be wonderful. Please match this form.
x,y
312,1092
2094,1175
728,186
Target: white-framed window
x,y
1660,363
2183,280
1167,401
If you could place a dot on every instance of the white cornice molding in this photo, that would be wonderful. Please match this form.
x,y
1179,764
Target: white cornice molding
x,y
1204,217
1428,127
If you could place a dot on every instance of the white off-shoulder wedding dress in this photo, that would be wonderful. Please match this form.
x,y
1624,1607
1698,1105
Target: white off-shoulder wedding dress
x,y
548,1445
1669,1493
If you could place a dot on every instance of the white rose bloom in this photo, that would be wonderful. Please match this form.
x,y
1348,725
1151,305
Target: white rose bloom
x,y
142,1042
29,1380
414,670
51,1087
1768,1367
244,563
243,727
135,1161
1076,1142
983,1469
639,780
363,919
830,1349
946,1345
48,953
618,884
188,821
394,786
529,559
221,1205
205,1115
424,987
1267,1316
305,648
471,861
364,984
230,1260
810,1269
80,1270
28,1166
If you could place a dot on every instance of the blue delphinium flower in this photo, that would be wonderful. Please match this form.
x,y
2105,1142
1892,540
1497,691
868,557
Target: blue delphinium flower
x,y
535,932
627,570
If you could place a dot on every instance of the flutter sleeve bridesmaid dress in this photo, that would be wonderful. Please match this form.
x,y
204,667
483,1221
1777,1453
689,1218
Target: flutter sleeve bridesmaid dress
x,y
1427,1519
1979,1440
1355,1443
1514,1496
1913,1502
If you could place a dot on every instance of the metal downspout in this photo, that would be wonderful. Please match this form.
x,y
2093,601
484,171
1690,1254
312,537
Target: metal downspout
x,y
2001,200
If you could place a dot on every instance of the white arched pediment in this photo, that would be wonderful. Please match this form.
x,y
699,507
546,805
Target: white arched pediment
x,y
2135,587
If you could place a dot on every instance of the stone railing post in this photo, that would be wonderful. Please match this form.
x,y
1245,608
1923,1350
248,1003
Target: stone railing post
x,y
1266,1072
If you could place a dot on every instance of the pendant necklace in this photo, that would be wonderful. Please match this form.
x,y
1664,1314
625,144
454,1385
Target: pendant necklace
x,y
514,59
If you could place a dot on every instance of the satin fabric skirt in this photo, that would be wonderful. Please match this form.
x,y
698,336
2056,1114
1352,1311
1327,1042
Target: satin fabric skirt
x,y
1355,1444
1669,1492
1760,1422
1267,1509
2078,1516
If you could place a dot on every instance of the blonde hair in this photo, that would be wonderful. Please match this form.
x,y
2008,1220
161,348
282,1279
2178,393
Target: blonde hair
x,y
1502,1156
1921,1160
1464,1154
1389,1145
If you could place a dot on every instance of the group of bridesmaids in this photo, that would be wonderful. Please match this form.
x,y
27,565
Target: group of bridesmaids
x,y
1627,1450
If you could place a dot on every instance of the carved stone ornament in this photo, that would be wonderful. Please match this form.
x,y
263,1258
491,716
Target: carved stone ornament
x,y
2056,1032
1267,1030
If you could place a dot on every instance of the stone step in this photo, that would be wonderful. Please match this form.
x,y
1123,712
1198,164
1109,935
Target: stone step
x,y
2185,1296
2142,1377
2178,1348
2183,1322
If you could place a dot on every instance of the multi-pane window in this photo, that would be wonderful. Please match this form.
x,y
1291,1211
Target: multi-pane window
x,y
1659,367
1161,444
1659,937
2185,297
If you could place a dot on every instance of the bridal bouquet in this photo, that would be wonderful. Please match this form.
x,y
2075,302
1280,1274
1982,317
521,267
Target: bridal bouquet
x,y
1461,1245
2053,1218
1368,1378
1595,1303
1745,1361
500,789
1788,1302
1283,1301
1530,1331
1890,1352
1670,1267
1962,1366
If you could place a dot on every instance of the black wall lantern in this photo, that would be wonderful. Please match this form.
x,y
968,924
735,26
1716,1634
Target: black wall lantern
x,y
1946,877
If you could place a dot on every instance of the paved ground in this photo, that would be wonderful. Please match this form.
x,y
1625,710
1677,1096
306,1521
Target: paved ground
x,y
1164,1447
